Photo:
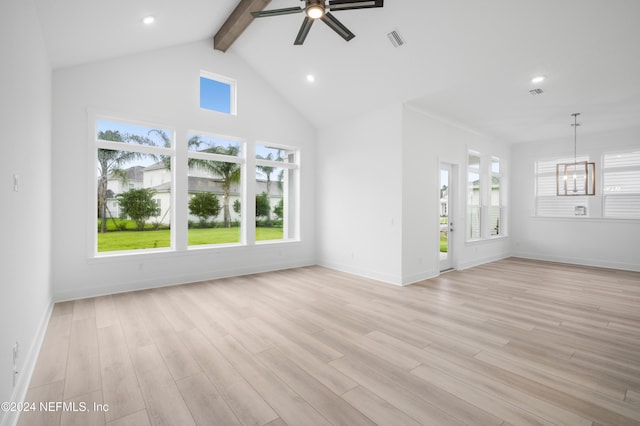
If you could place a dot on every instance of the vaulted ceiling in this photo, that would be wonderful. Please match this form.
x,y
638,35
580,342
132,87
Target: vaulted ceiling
x,y
466,61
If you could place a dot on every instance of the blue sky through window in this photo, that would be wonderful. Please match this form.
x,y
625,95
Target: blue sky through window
x,y
215,95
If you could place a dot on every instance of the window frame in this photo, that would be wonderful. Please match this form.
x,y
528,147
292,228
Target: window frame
x,y
485,173
596,205
233,92
97,144
294,167
479,205
633,196
500,176
179,154
578,202
241,160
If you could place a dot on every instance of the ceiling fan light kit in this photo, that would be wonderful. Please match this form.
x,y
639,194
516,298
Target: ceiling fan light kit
x,y
315,9
319,9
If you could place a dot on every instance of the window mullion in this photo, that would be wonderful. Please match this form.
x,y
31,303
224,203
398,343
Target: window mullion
x,y
181,190
277,164
142,149
215,157
249,195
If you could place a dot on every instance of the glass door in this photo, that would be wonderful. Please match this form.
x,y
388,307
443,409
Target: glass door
x,y
446,215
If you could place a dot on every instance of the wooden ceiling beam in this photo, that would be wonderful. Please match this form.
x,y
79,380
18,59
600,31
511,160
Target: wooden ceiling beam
x,y
237,22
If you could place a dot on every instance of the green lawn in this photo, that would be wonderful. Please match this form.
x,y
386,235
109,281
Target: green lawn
x,y
266,234
443,237
443,244
214,236
134,240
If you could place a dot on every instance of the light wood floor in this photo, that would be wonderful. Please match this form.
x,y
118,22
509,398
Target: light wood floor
x,y
513,342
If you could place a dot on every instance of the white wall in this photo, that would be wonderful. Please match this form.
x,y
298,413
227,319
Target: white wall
x,y
582,240
25,120
378,195
428,142
163,87
359,193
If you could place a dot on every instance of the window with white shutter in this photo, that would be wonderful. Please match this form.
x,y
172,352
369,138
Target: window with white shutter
x,y
548,203
621,185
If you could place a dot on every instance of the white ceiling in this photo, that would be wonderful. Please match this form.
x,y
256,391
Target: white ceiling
x,y
466,61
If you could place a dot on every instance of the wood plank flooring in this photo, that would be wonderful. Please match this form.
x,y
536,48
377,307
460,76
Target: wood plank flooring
x,y
514,342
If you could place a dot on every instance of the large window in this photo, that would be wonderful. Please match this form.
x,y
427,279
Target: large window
x,y
548,203
157,189
134,186
276,196
214,189
621,185
496,216
474,197
617,188
486,199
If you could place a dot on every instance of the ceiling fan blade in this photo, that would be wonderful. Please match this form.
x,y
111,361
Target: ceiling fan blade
x,y
337,26
335,5
304,30
276,12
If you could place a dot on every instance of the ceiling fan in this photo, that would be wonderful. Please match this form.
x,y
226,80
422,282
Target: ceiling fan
x,y
318,9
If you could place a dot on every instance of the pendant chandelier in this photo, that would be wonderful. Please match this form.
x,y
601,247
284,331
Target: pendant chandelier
x,y
579,177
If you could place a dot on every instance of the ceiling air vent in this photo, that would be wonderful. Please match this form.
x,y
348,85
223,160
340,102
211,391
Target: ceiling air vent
x,y
536,92
395,38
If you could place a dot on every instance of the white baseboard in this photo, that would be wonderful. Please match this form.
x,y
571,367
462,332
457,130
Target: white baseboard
x,y
579,261
482,261
84,293
416,278
24,376
366,273
412,279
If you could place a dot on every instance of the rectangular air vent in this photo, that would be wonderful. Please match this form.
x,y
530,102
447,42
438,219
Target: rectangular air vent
x,y
536,92
395,38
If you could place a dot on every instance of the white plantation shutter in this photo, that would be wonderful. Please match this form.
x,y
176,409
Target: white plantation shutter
x,y
559,206
622,206
621,185
548,203
628,159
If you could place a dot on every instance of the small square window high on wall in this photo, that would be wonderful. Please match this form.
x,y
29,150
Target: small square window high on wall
x,y
217,93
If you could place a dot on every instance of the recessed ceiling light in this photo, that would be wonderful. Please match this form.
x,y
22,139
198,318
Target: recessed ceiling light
x,y
538,79
311,78
148,20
